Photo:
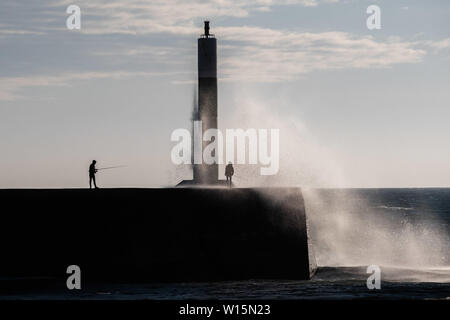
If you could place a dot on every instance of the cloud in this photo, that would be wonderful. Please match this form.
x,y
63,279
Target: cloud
x,y
257,55
11,86
441,44
145,17
18,32
6,30
247,53
268,55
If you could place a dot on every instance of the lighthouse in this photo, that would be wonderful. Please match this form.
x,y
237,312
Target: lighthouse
x,y
207,174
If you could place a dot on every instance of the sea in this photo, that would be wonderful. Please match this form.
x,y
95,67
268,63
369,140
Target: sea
x,y
405,233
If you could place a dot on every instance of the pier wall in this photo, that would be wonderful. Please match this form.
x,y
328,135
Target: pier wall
x,y
155,235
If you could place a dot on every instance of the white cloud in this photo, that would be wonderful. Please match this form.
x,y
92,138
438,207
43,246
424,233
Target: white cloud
x,y
171,16
267,55
441,44
11,86
18,32
259,54
247,53
6,30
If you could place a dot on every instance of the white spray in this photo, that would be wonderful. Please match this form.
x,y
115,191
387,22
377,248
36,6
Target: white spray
x,y
345,230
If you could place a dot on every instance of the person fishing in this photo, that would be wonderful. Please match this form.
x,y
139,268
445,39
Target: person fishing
x,y
229,172
92,172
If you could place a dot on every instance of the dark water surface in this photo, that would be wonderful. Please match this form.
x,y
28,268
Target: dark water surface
x,y
328,283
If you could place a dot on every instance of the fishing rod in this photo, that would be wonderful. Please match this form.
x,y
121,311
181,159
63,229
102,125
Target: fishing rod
x,y
110,168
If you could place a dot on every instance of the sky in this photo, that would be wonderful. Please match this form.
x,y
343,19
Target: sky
x,y
355,107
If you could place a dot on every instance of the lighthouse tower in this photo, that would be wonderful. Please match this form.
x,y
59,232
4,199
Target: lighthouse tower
x,y
207,174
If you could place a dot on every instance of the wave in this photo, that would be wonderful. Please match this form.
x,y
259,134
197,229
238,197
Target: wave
x,y
394,208
388,273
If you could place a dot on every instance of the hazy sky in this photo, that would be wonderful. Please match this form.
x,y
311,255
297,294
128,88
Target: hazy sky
x,y
356,107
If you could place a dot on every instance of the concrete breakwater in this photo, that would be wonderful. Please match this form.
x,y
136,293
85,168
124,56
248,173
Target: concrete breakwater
x,y
155,235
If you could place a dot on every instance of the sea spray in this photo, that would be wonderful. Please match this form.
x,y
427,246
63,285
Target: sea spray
x,y
346,228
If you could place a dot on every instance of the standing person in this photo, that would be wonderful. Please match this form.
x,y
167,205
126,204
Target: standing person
x,y
229,171
92,172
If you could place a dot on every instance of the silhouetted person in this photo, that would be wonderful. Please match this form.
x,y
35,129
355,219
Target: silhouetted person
x,y
92,172
229,171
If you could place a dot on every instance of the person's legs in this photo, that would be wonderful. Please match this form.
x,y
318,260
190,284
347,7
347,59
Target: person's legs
x,y
95,183
230,181
90,182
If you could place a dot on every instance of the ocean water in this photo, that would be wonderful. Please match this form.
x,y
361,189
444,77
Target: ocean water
x,y
406,232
